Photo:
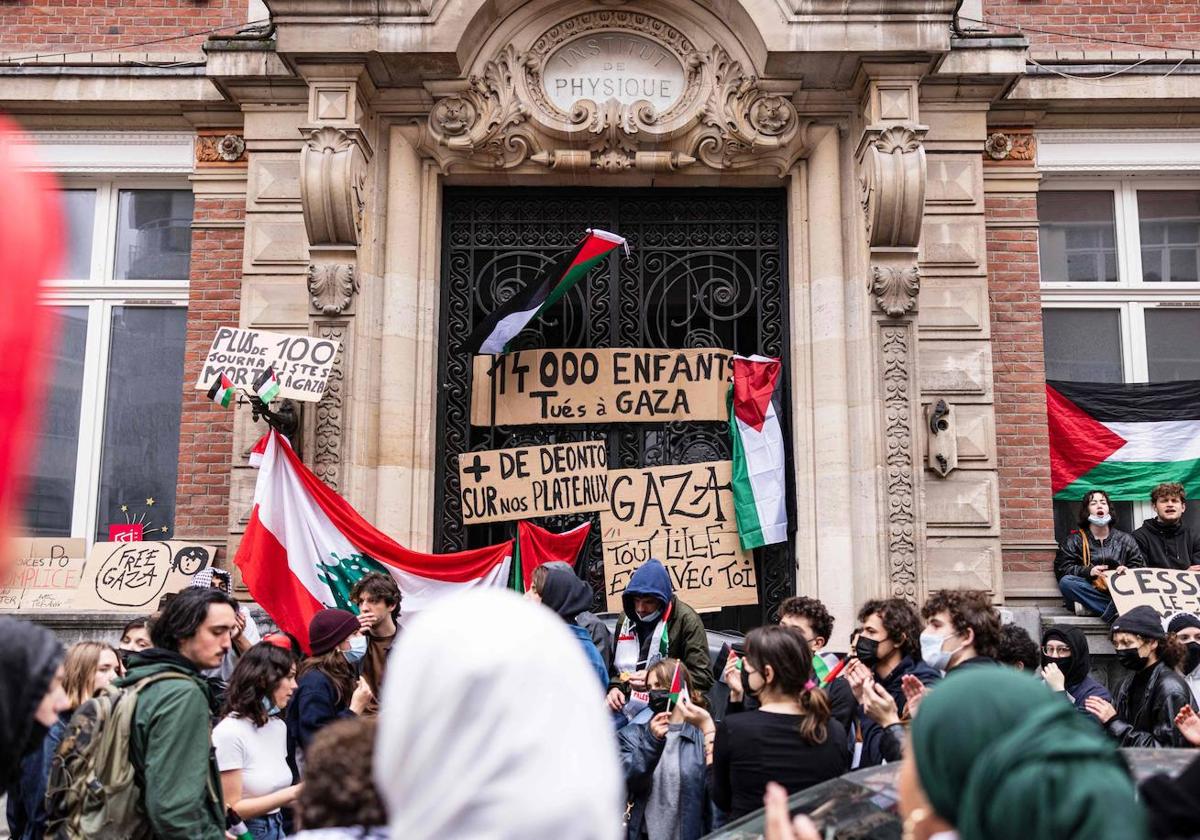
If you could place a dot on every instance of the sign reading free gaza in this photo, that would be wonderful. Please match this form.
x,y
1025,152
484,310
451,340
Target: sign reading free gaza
x,y
302,363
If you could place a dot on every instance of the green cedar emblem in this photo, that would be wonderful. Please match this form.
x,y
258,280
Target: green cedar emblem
x,y
341,573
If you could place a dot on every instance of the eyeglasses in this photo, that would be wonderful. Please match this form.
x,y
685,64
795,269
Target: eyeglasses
x,y
1056,651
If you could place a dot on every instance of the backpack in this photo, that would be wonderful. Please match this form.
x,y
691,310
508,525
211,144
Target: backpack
x,y
91,792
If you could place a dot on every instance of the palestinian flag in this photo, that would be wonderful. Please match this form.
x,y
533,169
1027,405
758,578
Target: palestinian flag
x,y
820,668
266,385
759,482
536,545
678,691
502,325
1124,439
305,547
222,391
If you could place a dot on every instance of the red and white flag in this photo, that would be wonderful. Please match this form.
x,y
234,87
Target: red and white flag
x,y
305,547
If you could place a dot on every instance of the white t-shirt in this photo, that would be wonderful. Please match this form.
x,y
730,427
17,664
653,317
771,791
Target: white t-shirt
x,y
259,752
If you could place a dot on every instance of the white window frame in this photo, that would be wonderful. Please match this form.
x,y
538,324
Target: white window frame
x,y
1130,296
100,294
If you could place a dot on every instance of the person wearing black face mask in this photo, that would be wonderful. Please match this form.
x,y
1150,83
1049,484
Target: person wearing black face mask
x,y
1066,666
1186,628
1147,702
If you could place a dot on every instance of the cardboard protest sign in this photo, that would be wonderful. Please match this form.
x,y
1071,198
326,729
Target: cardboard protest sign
x,y
600,386
45,569
1166,590
682,516
301,362
131,577
529,481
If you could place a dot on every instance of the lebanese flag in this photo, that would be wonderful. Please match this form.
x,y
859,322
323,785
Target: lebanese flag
x,y
536,545
498,329
1123,439
759,482
305,547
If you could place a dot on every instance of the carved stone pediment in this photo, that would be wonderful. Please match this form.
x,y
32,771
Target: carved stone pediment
x,y
722,117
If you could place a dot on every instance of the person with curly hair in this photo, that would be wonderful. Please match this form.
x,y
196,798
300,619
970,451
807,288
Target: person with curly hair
x,y
1017,649
339,800
962,628
251,740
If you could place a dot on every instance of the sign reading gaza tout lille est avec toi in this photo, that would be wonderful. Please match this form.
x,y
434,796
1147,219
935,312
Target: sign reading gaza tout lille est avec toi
x,y
301,362
601,386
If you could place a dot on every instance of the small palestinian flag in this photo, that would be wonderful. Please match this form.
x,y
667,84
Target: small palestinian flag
x,y
496,331
820,668
678,690
1123,439
222,391
266,385
759,481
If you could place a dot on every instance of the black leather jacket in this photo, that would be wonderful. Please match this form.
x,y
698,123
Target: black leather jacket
x,y
1153,723
1118,549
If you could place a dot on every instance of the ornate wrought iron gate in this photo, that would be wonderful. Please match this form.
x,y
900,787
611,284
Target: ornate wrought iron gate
x,y
707,268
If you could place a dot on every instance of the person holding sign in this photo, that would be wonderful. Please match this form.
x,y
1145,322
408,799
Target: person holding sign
x,y
656,625
1087,556
1149,700
664,766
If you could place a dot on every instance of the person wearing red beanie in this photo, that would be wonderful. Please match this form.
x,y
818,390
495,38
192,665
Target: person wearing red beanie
x,y
330,686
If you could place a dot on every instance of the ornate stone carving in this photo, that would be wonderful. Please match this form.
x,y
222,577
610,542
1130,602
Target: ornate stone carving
x,y
895,346
892,181
328,431
725,119
331,287
332,186
895,289
216,148
998,146
1010,146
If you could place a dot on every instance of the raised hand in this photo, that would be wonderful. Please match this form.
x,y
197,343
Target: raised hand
x,y
1054,678
1188,723
1101,708
914,692
779,825
879,705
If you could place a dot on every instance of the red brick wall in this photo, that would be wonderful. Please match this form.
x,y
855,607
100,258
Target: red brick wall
x,y
1022,437
1163,22
49,25
206,430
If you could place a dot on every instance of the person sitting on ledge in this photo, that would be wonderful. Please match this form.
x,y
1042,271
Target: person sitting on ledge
x,y
1087,556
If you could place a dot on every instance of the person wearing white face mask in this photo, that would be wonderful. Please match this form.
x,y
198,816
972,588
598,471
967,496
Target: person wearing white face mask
x,y
329,684
961,628
1089,554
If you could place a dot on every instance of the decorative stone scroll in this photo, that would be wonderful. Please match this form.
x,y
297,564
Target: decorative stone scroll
x,y
892,181
332,184
724,118
328,428
895,289
896,351
331,287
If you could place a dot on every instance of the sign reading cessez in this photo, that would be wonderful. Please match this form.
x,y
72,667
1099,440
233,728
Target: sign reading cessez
x,y
1166,590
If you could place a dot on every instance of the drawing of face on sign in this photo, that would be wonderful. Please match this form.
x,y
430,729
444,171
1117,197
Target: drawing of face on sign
x,y
190,559
133,575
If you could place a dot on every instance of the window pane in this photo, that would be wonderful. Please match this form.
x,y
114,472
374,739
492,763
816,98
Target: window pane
x,y
1172,350
141,414
79,215
50,492
1082,345
154,234
1170,230
1077,236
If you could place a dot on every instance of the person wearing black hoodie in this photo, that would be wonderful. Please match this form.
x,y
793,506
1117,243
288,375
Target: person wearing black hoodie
x,y
568,596
1164,540
1067,665
601,636
655,625
31,698
1147,702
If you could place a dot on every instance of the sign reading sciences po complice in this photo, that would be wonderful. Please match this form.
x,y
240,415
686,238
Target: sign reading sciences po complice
x,y
301,362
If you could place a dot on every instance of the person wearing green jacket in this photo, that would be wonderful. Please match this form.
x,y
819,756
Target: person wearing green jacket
x,y
655,625
170,741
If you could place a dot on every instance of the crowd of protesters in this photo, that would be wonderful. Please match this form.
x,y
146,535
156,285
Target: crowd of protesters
x,y
537,732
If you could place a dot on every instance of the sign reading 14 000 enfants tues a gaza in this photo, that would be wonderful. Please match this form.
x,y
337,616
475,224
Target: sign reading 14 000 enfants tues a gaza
x,y
683,516
600,386
301,362
528,481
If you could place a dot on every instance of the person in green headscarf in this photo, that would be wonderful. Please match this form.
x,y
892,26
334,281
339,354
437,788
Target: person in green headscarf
x,y
995,754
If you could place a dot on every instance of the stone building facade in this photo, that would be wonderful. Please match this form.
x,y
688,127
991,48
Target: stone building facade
x,y
899,155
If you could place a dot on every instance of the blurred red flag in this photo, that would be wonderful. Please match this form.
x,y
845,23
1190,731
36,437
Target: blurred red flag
x,y
30,249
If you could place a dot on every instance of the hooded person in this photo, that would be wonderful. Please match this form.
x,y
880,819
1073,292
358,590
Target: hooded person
x,y
568,596
994,754
1186,628
504,738
588,620
29,660
1074,666
655,625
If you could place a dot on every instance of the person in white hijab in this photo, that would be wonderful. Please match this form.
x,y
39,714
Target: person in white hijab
x,y
490,728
